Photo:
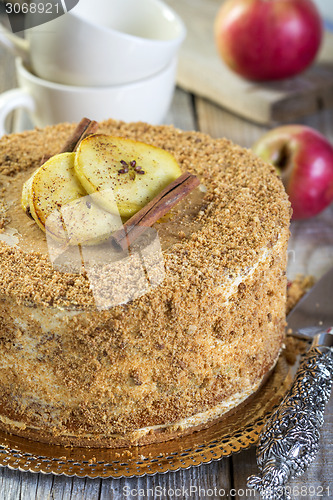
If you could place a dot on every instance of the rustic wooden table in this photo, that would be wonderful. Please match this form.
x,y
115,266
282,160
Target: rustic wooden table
x,y
311,251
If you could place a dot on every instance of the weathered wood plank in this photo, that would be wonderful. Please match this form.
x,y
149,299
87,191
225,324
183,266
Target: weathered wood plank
x,y
181,484
218,122
212,478
181,113
202,72
44,485
10,484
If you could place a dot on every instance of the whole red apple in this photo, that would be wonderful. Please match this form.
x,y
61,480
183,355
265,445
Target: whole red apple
x,y
304,158
268,39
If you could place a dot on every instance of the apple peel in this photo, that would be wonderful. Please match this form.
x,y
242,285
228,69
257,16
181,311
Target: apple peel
x,y
304,159
264,40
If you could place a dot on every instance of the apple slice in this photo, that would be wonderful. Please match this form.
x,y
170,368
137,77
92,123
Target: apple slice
x,y
52,186
61,207
134,171
26,195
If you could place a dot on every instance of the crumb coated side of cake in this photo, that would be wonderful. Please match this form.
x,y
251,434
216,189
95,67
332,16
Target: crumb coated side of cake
x,y
211,330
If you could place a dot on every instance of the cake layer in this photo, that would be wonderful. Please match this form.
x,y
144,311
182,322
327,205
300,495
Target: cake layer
x,y
178,354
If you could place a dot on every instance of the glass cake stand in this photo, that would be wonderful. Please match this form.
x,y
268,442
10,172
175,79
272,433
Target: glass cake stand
x,y
237,431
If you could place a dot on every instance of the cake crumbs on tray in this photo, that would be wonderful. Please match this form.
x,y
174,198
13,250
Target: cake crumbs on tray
x,y
297,288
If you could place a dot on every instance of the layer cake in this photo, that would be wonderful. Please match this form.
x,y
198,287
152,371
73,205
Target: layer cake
x,y
171,360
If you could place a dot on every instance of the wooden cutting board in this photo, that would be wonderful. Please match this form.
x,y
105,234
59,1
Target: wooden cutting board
x,y
202,72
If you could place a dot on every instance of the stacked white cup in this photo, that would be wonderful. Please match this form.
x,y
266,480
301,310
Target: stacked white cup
x,y
103,59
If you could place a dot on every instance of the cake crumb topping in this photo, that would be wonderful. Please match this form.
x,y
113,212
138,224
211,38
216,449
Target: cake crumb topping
x,y
212,329
243,212
4,215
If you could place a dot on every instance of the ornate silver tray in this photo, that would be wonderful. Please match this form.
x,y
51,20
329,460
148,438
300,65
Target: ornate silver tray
x,y
237,431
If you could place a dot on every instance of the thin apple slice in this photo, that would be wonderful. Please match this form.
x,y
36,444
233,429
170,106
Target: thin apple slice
x,y
62,208
52,186
26,195
133,171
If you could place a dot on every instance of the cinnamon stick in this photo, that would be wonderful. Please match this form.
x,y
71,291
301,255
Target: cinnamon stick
x,y
85,128
154,210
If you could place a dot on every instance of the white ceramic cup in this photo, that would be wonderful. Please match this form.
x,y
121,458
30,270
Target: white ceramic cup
x,y
102,42
49,103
